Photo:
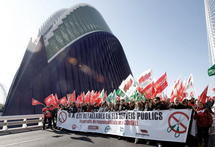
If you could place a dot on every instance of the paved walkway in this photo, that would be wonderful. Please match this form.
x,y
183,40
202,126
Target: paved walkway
x,y
51,138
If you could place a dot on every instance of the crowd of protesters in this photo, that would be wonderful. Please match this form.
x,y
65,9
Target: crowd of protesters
x,y
202,112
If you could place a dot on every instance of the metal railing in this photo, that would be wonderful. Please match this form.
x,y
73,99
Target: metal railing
x,y
20,121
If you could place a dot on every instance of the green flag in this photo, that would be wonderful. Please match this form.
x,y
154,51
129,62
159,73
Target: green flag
x,y
114,96
109,97
120,93
102,94
136,96
127,99
211,70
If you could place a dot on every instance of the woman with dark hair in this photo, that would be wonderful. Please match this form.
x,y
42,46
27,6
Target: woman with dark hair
x,y
204,121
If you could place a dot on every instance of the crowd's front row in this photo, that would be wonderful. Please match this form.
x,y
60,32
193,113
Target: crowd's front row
x,y
202,112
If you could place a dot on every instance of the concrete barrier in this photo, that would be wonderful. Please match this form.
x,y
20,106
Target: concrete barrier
x,y
19,123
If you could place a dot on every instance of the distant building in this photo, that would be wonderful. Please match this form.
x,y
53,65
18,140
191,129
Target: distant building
x,y
210,22
210,26
75,50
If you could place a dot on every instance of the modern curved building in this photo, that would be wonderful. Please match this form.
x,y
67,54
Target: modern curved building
x,y
75,50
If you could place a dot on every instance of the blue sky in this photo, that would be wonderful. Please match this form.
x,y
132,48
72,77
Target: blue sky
x,y
164,35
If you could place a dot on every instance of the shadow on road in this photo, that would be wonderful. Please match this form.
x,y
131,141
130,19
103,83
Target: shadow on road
x,y
92,134
61,132
83,139
68,132
57,136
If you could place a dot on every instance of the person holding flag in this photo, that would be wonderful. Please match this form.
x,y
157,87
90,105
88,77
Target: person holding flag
x,y
47,116
73,108
177,104
103,107
158,105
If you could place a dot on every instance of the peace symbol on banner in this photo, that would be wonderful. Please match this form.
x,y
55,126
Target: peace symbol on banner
x,y
177,123
62,117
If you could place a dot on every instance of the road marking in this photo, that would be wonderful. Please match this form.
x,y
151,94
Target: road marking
x,y
21,142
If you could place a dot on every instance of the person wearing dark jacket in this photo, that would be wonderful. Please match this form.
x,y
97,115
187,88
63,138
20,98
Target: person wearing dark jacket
x,y
177,104
131,105
47,116
73,108
158,105
209,105
117,105
204,121
185,102
148,105
123,106
54,110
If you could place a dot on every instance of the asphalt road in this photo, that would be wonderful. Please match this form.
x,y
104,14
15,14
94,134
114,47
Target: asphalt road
x,y
49,138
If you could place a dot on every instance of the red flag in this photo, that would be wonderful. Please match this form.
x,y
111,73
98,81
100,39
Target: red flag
x,y
105,96
63,100
203,97
148,91
213,97
95,97
48,100
56,98
36,102
92,96
80,98
161,83
174,90
192,94
172,98
172,93
99,101
178,90
87,97
55,101
51,100
185,94
213,89
71,97
189,82
128,85
145,76
100,97
181,92
177,84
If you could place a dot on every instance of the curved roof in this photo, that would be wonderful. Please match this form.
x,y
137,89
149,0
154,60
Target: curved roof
x,y
50,21
67,25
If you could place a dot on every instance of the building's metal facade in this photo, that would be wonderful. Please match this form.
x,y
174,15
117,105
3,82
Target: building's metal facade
x,y
75,50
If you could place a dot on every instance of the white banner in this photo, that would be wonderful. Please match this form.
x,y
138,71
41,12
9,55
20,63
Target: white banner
x,y
166,125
